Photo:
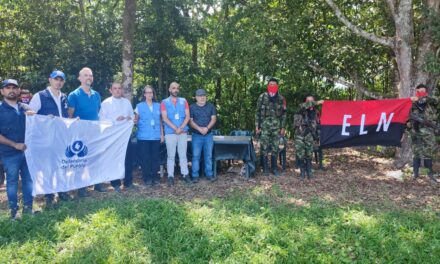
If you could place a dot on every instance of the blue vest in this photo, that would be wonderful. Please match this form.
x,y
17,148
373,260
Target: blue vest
x,y
12,126
172,111
149,122
49,107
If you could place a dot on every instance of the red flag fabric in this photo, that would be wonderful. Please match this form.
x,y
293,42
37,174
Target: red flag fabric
x,y
363,123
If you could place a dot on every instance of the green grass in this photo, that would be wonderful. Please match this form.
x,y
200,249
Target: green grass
x,y
250,227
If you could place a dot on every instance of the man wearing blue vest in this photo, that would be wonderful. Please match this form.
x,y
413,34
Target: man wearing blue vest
x,y
12,147
85,103
175,115
52,102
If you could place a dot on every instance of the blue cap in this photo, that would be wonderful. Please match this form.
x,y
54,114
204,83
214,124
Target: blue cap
x,y
56,74
200,92
8,82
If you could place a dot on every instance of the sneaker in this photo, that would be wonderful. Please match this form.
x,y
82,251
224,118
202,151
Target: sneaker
x,y
211,179
195,180
63,197
83,193
155,183
148,183
49,203
170,181
117,189
131,187
13,214
187,179
27,210
99,188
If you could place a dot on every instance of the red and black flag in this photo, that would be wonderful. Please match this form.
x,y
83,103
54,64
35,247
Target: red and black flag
x,y
363,123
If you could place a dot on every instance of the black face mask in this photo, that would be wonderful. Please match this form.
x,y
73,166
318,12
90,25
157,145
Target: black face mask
x,y
311,113
421,105
273,99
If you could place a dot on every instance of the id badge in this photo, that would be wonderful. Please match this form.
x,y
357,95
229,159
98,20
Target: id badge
x,y
176,116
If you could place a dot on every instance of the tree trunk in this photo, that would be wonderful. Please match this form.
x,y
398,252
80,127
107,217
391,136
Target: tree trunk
x,y
403,43
194,54
128,27
218,90
410,56
160,81
426,47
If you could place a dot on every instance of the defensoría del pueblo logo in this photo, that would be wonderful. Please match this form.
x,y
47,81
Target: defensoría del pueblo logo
x,y
77,148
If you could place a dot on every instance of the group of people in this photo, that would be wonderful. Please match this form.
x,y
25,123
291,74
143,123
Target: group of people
x,y
167,121
270,121
170,121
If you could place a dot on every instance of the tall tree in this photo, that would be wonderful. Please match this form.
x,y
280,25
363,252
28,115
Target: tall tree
x,y
409,47
128,28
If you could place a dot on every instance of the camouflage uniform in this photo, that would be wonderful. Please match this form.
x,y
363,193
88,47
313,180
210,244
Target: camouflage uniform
x,y
306,134
424,145
270,117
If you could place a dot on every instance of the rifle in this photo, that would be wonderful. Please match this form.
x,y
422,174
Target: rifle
x,y
414,117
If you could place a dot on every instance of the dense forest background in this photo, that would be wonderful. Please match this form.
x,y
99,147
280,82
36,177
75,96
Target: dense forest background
x,y
229,47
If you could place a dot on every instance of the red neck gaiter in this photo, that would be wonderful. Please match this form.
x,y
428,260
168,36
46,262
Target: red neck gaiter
x,y
421,94
272,89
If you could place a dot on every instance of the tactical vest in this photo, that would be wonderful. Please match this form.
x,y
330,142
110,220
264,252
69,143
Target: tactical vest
x,y
272,109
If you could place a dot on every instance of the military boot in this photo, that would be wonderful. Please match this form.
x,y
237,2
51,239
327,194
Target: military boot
x,y
274,165
302,168
416,166
309,169
321,158
428,165
265,166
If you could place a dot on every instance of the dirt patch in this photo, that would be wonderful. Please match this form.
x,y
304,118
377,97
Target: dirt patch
x,y
352,176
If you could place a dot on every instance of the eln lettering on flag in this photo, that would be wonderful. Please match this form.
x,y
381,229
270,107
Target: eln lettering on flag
x,y
363,123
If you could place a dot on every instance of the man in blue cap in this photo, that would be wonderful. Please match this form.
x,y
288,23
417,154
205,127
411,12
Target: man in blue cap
x,y
12,147
51,101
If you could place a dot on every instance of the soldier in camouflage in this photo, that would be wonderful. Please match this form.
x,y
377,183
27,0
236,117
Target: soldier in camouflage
x,y
422,130
306,133
270,121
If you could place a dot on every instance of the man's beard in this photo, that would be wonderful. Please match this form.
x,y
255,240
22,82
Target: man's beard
x,y
12,96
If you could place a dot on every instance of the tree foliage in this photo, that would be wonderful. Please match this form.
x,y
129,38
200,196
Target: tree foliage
x,y
229,47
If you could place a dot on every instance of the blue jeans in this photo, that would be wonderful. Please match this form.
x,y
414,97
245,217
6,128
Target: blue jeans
x,y
16,165
199,143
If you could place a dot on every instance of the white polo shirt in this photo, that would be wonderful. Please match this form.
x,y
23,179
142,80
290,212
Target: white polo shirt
x,y
112,108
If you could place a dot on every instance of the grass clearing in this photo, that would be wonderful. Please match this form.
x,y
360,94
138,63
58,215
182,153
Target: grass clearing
x,y
254,226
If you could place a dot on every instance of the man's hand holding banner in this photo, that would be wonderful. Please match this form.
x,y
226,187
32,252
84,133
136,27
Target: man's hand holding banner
x,y
67,154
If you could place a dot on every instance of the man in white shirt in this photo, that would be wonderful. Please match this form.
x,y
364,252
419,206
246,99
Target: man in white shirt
x,y
118,109
51,101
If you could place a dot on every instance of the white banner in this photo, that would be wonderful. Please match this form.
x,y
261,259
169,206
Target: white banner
x,y
67,154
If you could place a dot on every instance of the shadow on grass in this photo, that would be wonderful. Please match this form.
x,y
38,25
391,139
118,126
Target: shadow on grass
x,y
246,227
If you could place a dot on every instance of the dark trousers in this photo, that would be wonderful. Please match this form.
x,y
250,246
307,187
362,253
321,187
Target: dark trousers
x,y
128,180
149,151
